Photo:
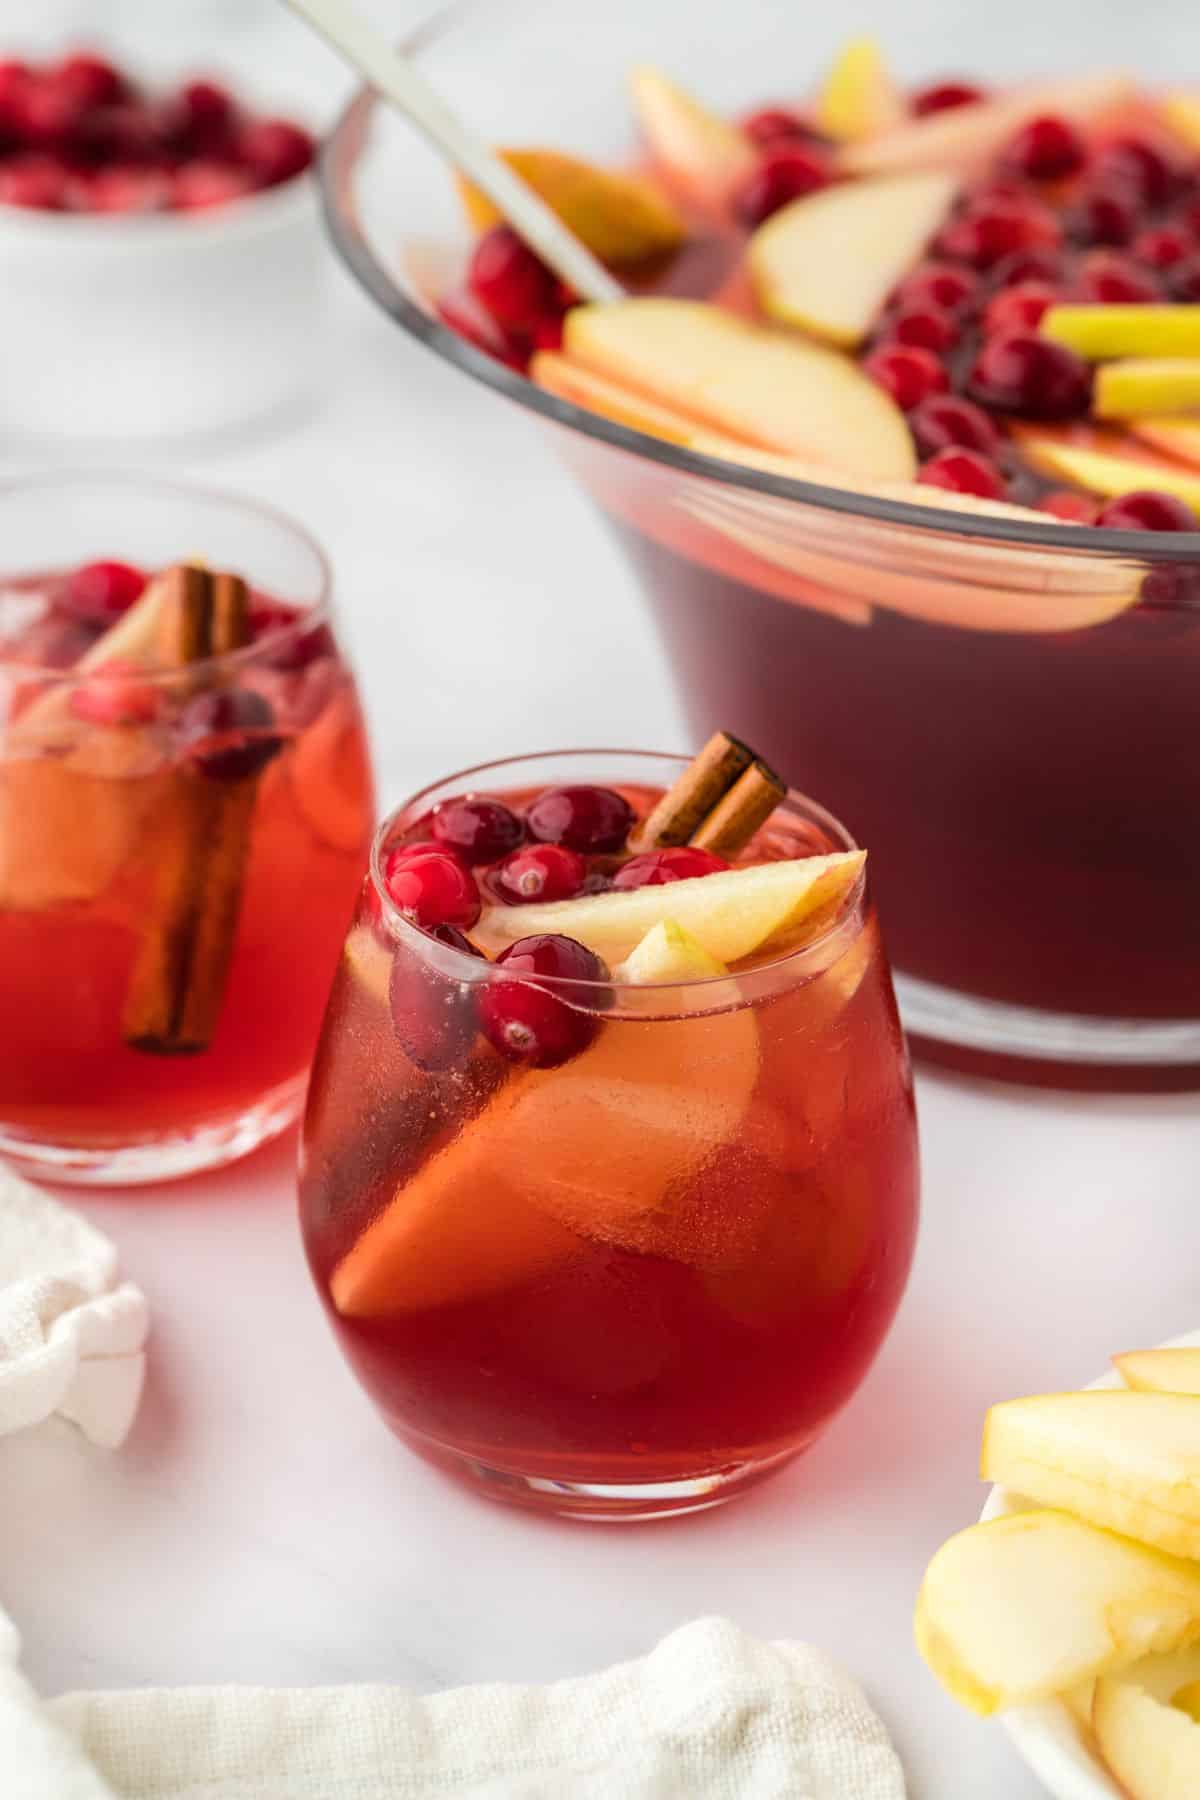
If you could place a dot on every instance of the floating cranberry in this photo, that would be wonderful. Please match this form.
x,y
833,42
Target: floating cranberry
x,y
588,819
909,375
1064,503
228,734
531,1024
290,642
203,115
548,333
433,1016
1184,280
102,591
943,422
1031,376
655,868
477,830
943,95
1106,275
1149,169
1028,265
274,151
541,872
1148,510
786,172
772,123
1045,149
1162,247
963,472
1105,214
944,285
998,227
129,132
1019,308
198,185
433,888
92,80
923,328
38,182
116,693
513,284
126,190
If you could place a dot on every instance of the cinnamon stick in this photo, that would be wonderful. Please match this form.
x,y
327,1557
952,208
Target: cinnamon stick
x,y
686,805
741,812
178,981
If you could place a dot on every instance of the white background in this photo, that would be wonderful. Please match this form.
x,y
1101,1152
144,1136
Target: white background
x,y
261,1525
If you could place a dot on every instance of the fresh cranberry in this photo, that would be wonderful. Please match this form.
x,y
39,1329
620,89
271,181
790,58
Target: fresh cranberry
x,y
1107,213
513,284
1184,280
102,591
478,831
998,227
48,114
198,185
655,868
942,95
963,472
923,328
433,888
467,319
274,151
771,123
1032,376
1028,265
1162,247
1019,308
541,872
129,132
1065,503
1106,275
531,1024
944,285
786,172
126,190
588,819
433,1016
547,334
93,80
908,375
1045,149
38,182
228,734
1148,510
203,115
1149,169
943,423
116,693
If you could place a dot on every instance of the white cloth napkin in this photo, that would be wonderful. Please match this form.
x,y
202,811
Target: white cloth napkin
x,y
711,1714
72,1335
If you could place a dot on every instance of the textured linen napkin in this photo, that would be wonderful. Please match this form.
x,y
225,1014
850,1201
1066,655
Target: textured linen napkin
x,y
71,1334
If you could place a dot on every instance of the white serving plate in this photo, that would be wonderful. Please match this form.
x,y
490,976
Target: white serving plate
x,y
1049,1738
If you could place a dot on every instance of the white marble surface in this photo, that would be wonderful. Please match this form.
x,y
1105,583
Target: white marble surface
x,y
261,1525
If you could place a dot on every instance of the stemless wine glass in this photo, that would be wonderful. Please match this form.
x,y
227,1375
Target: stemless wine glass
x,y
179,845
635,1281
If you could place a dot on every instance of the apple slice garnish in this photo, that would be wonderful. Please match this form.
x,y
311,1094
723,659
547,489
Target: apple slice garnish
x,y
623,219
1125,1460
965,136
1173,437
1152,1749
1138,385
746,381
701,152
827,263
1160,1371
1023,1607
559,375
1101,471
668,953
1101,331
858,98
733,914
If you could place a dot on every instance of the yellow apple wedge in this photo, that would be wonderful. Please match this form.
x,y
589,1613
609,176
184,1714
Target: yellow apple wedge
x,y
966,136
826,263
1152,1749
1161,1371
1102,472
1125,1460
1188,1700
1023,1607
858,98
731,914
702,153
1101,331
1173,437
1138,385
1181,113
571,381
745,381
668,953
623,219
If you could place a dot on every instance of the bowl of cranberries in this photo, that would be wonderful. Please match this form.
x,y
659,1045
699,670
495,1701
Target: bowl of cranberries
x,y
160,260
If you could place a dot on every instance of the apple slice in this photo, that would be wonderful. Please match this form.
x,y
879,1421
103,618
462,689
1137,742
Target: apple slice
x,y
668,953
1022,1607
965,136
1101,472
745,381
571,381
827,263
1181,114
1147,384
700,151
732,914
1160,1371
859,98
1188,1700
623,219
1102,331
1171,437
1152,1749
1129,1461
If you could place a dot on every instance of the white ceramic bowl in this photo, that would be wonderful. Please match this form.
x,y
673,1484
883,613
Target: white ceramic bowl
x,y
1048,1737
160,325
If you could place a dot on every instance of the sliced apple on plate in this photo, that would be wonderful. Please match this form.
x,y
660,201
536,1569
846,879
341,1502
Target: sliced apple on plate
x,y
1020,1608
623,219
1101,331
1163,1371
732,914
858,98
1059,453
746,381
1152,1749
826,263
702,153
1125,1460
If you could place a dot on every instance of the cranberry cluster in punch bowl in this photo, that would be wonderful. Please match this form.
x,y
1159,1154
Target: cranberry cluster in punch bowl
x,y
899,426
